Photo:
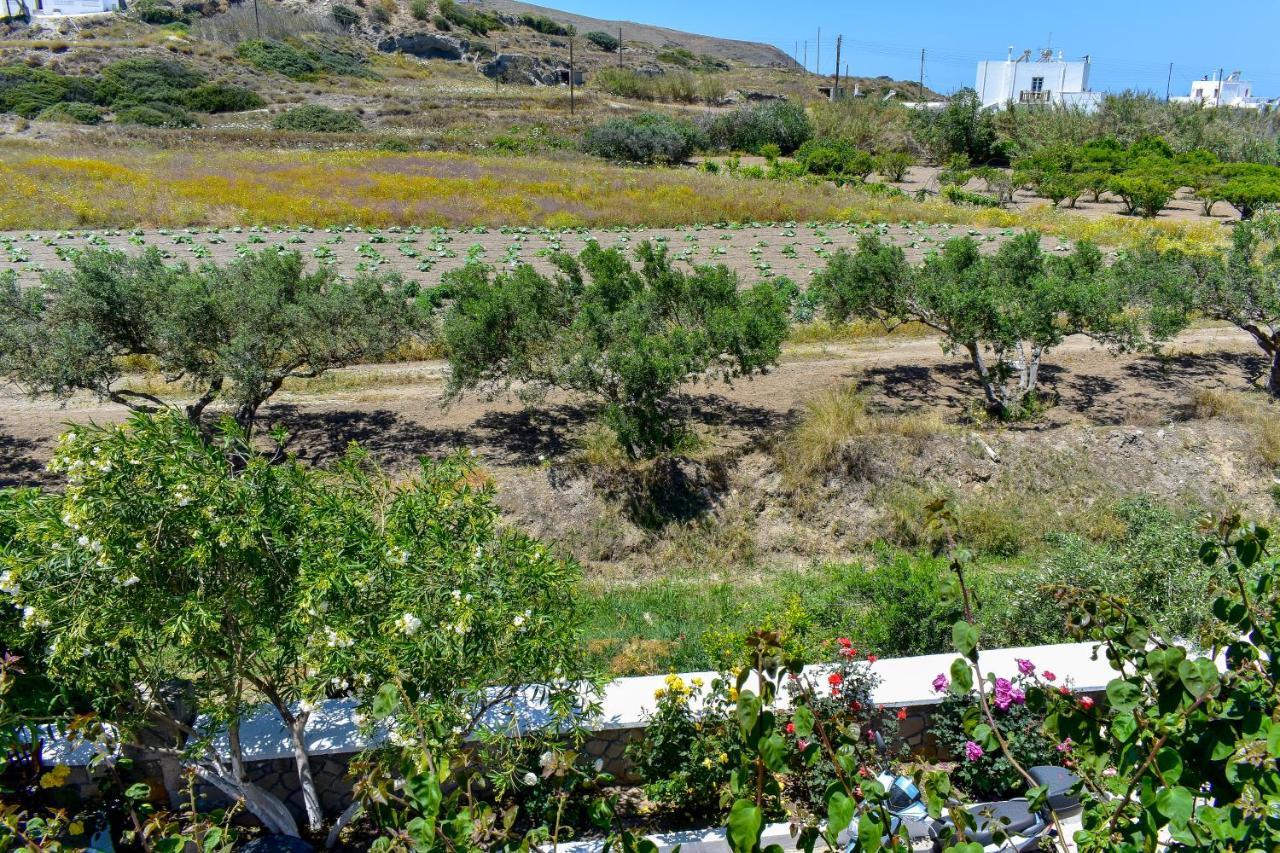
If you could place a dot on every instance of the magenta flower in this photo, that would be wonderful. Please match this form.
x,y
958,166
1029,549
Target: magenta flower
x,y
1003,693
940,683
1018,697
1065,746
1026,667
1049,676
972,752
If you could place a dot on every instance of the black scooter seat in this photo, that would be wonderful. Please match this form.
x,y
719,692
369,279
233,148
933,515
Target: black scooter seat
x,y
1013,817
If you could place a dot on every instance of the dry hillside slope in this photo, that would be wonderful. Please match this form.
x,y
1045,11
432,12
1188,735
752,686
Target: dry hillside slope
x,y
748,53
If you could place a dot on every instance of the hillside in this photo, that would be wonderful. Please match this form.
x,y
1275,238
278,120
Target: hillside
x,y
745,52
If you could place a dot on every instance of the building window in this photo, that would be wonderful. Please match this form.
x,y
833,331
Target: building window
x,y
1037,84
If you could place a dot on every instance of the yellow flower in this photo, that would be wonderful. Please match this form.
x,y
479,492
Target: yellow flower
x,y
55,778
76,828
706,762
696,682
676,685
733,694
723,757
659,693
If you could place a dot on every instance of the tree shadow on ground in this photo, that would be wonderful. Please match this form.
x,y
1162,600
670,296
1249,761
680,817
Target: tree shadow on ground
x,y
529,435
19,465
322,437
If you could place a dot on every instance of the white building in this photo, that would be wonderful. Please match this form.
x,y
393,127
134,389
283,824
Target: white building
x,y
55,8
1231,92
1046,80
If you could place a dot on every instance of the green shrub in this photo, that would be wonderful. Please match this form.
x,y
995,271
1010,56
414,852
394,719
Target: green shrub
x,y
646,138
1142,194
345,16
155,115
277,56
156,12
1248,194
72,113
956,195
962,127
394,144
546,26
222,98
30,99
146,80
604,41
313,118
990,775
893,165
420,10
835,158
479,23
441,23
749,128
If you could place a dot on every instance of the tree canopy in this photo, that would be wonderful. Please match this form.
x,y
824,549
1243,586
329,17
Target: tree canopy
x,y
600,327
227,334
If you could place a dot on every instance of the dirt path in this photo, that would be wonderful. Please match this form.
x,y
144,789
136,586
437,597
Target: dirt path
x,y
396,409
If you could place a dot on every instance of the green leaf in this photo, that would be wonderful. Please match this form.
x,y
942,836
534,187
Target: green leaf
x,y
138,791
1177,804
1123,695
424,792
1199,677
870,833
385,701
1123,727
961,676
802,718
840,808
773,751
746,822
1170,764
748,710
964,637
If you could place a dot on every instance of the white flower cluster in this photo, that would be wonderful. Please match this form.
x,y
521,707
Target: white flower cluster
x,y
8,583
334,640
520,619
409,624
181,494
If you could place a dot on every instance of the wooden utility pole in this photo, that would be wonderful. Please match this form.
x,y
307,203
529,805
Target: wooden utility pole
x,y
1218,90
257,22
1168,86
571,82
835,90
806,55
619,47
920,93
817,61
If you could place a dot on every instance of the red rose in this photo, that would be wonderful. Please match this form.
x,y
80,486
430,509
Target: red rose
x,y
845,641
1086,702
1064,691
791,728
902,713
857,706
1049,676
835,679
871,658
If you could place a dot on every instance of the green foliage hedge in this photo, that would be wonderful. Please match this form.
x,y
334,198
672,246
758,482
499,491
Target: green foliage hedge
x,y
222,98
314,118
647,138
300,60
750,128
155,114
604,41
72,112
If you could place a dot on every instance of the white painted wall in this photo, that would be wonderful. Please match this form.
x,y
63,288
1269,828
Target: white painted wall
x,y
62,8
1065,82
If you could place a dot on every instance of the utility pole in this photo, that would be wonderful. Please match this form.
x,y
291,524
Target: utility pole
x,y
619,47
795,54
257,22
806,56
571,85
1168,86
1218,103
835,90
817,61
921,92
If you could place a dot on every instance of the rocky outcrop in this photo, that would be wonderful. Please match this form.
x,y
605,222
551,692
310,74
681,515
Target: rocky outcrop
x,y
529,70
427,46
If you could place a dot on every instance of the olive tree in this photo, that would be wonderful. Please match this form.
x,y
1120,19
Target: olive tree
x,y
602,328
179,578
1004,311
229,335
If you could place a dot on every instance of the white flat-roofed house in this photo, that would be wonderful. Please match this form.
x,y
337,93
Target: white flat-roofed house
x,y
1230,92
1049,80
55,8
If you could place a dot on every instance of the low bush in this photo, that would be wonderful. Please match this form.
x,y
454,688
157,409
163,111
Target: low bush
x,y
420,10
546,26
277,56
647,138
893,165
146,80
301,60
222,98
749,128
835,158
155,115
1145,196
478,22
72,113
604,41
345,15
313,118
990,775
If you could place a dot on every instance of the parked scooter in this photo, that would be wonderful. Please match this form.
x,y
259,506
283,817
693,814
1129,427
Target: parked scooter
x,y
1005,826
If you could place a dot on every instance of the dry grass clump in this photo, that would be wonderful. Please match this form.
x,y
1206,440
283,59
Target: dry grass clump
x,y
837,416
1255,412
823,332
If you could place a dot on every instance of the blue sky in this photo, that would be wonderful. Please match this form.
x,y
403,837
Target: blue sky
x,y
1132,42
